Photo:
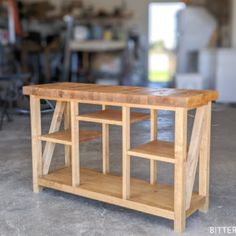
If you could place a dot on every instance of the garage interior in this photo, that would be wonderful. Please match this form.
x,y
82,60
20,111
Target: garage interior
x,y
187,44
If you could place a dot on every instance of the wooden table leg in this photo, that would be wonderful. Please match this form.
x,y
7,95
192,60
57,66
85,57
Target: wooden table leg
x,y
126,147
36,143
75,144
204,163
67,125
105,147
153,164
180,166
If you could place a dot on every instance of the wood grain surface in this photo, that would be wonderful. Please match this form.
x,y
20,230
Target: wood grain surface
x,y
122,94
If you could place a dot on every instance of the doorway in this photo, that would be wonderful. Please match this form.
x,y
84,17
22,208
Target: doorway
x,y
163,22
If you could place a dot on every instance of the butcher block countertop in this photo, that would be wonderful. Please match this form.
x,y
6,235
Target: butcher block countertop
x,y
123,94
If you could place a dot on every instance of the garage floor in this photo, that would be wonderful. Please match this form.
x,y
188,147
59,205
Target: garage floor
x,y
54,213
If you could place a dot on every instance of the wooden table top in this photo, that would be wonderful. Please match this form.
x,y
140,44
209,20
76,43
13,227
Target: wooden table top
x,y
97,45
122,94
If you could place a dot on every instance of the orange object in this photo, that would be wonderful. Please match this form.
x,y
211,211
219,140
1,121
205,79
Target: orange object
x,y
15,14
187,1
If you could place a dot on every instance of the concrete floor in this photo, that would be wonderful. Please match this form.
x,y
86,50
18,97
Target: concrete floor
x,y
54,213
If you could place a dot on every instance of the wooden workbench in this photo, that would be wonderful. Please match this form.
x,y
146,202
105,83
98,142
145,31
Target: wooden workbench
x,y
89,47
172,202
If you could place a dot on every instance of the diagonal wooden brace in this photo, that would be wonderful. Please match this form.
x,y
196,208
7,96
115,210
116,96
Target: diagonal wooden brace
x,y
55,126
193,153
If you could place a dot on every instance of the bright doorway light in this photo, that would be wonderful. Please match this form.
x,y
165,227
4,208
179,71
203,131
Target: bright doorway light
x,y
163,22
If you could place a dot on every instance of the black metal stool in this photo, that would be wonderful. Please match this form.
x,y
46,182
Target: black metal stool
x,y
8,94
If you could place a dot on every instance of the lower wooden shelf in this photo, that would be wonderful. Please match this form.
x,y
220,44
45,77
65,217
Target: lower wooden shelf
x,y
152,199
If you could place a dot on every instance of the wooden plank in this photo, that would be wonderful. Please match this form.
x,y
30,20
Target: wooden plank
x,y
36,143
196,204
108,199
153,163
105,146
96,46
156,150
59,137
64,136
67,126
108,188
55,126
193,154
179,179
123,94
75,150
204,161
125,148
112,117
116,104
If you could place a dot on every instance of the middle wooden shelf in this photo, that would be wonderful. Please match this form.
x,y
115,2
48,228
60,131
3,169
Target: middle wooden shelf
x,y
64,136
155,150
112,117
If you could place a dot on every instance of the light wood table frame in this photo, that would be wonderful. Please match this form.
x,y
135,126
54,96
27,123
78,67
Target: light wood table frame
x,y
172,202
